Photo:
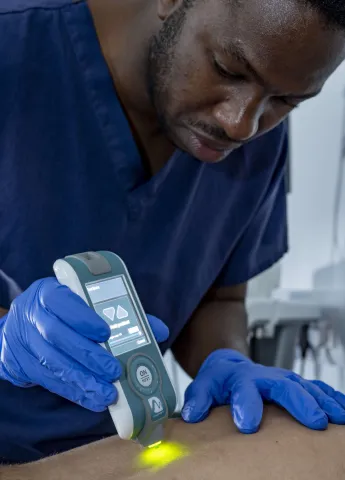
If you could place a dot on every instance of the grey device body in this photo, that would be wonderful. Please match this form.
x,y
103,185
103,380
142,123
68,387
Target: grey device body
x,y
146,396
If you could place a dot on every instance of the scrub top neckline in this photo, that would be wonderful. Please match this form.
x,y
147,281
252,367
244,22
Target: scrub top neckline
x,y
131,172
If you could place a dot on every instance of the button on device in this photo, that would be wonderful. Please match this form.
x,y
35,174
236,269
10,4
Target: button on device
x,y
144,376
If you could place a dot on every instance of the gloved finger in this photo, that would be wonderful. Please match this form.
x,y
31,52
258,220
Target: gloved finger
x,y
159,329
292,396
246,406
97,400
338,396
66,378
92,356
332,409
198,401
10,368
72,310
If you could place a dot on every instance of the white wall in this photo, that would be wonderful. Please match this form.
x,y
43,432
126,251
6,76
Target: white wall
x,y
316,136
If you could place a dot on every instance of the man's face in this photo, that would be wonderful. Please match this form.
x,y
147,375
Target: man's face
x,y
226,71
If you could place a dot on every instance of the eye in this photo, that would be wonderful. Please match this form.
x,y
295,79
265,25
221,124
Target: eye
x,y
223,72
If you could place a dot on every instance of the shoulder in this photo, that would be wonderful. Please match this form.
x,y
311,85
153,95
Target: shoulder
x,y
17,6
33,38
27,28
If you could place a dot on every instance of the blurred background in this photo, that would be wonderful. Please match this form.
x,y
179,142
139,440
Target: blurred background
x,y
296,310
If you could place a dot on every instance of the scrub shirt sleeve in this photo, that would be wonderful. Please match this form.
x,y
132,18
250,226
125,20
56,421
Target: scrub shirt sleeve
x,y
265,240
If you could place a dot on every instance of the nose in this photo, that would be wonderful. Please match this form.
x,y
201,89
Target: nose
x,y
239,117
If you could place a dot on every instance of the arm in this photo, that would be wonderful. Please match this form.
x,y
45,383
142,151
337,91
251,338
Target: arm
x,y
263,243
283,449
2,312
219,322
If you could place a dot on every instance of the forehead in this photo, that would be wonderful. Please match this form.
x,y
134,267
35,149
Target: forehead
x,y
278,37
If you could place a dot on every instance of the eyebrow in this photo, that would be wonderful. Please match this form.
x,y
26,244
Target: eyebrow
x,y
237,53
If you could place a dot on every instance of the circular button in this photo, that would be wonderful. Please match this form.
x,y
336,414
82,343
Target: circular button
x,y
144,376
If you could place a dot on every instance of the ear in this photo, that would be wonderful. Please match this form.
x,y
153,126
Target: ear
x,y
168,7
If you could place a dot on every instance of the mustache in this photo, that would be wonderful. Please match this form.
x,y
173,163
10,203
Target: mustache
x,y
211,130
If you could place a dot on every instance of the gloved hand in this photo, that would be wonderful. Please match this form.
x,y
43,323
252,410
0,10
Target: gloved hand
x,y
50,338
229,378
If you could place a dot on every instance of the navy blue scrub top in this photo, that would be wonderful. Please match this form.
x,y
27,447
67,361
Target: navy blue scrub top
x,y
71,180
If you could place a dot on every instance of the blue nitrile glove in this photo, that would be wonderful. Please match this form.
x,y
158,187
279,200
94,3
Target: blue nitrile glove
x,y
50,338
229,378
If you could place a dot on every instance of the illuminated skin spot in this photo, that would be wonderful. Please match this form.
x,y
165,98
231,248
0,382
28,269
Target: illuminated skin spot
x,y
161,455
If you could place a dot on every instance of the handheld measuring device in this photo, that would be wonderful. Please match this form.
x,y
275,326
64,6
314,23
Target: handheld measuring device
x,y
146,397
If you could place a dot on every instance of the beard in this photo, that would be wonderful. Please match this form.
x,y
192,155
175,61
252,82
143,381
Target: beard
x,y
161,59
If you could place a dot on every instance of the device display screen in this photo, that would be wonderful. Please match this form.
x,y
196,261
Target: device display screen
x,y
113,302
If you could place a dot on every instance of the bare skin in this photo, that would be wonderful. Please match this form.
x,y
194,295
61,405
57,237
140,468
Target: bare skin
x,y
282,449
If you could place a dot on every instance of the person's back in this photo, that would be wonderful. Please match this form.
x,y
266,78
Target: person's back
x,y
214,450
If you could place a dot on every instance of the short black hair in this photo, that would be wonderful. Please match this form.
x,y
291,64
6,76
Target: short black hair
x,y
333,11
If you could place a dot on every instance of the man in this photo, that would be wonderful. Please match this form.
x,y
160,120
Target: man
x,y
155,129
212,449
